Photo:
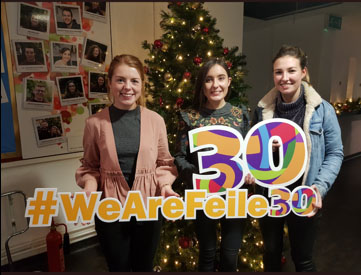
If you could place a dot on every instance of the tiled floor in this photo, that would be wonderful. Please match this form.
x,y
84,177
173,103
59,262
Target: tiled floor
x,y
337,248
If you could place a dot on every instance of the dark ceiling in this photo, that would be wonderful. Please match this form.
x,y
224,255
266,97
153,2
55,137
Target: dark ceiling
x,y
268,11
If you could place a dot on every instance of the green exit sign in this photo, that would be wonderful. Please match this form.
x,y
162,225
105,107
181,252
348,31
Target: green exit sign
x,y
334,22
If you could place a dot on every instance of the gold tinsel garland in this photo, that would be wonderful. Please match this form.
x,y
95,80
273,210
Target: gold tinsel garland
x,y
350,105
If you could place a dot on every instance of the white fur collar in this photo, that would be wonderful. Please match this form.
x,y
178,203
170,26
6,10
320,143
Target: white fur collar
x,y
268,102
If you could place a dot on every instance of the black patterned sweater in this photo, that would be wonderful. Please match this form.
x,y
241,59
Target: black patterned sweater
x,y
228,115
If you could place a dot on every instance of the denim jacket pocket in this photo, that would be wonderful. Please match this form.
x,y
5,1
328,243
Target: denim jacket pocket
x,y
316,129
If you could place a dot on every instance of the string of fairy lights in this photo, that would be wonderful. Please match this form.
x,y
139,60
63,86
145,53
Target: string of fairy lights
x,y
349,106
175,58
246,261
189,39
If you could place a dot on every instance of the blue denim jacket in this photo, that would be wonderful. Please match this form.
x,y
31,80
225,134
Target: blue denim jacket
x,y
323,137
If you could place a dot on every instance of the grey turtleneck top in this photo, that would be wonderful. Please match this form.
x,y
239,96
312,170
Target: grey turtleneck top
x,y
126,129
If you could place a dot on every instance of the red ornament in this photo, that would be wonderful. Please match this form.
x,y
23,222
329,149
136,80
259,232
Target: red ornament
x,y
283,260
158,44
179,3
161,101
145,69
205,30
197,60
229,65
179,102
225,51
184,242
187,75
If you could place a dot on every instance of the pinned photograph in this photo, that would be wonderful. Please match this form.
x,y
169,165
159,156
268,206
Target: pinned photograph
x,y
29,56
95,10
38,94
33,21
64,57
71,90
68,19
98,85
97,107
49,130
94,53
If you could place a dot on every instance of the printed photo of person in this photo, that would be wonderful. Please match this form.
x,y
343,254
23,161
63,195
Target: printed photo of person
x,y
94,53
98,85
33,21
29,56
38,94
95,10
64,57
96,107
48,130
71,90
68,19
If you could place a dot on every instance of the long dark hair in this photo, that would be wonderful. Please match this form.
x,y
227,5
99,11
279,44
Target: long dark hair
x,y
296,52
199,97
67,92
90,54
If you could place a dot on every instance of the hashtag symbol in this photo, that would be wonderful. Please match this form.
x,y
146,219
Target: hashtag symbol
x,y
42,207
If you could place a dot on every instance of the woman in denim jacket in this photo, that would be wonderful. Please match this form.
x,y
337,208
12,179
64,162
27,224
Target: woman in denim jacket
x,y
294,98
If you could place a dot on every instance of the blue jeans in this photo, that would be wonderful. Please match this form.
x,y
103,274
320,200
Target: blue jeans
x,y
231,233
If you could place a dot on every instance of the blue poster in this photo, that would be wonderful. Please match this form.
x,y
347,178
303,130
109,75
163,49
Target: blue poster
x,y
8,144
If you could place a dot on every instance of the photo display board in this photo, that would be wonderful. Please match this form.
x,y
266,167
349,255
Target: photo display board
x,y
50,77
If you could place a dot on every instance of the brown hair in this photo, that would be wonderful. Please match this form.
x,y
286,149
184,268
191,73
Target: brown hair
x,y
199,97
295,52
40,84
133,62
68,10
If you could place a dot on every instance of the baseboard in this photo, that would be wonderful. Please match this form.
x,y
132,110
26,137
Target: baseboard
x,y
353,156
38,246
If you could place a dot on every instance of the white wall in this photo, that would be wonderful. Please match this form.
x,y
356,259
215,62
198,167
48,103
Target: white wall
x,y
131,24
329,56
229,21
56,172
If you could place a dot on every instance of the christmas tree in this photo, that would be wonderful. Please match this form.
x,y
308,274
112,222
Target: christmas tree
x,y
189,39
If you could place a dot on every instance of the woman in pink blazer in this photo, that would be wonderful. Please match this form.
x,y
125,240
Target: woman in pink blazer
x,y
126,148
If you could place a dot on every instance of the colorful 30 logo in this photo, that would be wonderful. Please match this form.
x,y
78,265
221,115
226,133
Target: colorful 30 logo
x,y
226,145
230,157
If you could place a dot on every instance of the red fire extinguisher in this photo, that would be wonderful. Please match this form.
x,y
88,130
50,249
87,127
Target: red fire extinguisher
x,y
56,248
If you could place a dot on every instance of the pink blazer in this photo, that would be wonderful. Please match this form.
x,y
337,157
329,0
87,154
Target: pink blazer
x,y
154,167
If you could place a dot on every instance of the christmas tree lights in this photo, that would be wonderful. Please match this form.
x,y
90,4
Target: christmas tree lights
x,y
189,40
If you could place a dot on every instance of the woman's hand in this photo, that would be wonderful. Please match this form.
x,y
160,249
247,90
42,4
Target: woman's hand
x,y
89,187
249,179
167,191
316,205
